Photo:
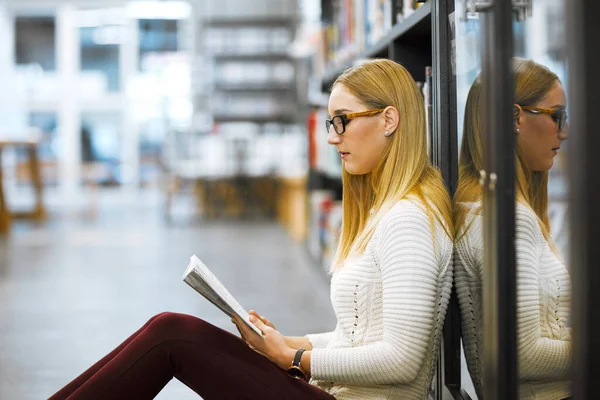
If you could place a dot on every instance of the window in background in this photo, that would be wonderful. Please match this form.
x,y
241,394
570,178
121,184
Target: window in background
x,y
35,41
164,80
101,148
157,36
46,122
100,55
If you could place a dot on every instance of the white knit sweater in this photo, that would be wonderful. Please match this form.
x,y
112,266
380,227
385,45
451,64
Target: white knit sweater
x,y
390,304
543,301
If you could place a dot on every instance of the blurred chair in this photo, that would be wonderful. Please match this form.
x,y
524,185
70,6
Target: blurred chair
x,y
232,174
200,160
39,212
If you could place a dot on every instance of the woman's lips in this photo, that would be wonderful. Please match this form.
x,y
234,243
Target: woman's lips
x,y
344,154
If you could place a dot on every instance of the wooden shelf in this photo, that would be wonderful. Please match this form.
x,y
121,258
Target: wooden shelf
x,y
415,28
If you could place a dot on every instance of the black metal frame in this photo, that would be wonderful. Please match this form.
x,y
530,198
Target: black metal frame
x,y
444,152
584,192
499,277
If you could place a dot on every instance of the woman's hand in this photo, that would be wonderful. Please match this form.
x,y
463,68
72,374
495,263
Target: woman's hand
x,y
295,342
271,345
263,319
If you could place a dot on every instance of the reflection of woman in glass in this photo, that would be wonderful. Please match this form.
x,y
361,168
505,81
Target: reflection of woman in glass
x,y
543,283
391,282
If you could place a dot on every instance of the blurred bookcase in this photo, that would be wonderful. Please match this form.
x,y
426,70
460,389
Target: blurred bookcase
x,y
252,77
245,100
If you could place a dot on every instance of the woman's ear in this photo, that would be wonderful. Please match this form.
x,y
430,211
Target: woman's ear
x,y
517,111
391,119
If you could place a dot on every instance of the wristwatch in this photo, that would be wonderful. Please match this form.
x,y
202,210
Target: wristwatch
x,y
295,371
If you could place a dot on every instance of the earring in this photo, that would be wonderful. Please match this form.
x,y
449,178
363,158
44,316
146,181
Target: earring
x,y
387,133
517,131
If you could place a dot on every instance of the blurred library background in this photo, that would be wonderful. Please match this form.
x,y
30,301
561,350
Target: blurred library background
x,y
213,109
135,133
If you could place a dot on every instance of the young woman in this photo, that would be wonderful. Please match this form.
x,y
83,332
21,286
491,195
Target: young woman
x,y
391,279
543,283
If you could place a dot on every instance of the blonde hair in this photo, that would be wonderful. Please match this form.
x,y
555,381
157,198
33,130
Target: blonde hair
x,y
404,169
532,83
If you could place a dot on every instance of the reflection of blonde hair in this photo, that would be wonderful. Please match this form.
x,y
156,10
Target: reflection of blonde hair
x,y
404,169
532,83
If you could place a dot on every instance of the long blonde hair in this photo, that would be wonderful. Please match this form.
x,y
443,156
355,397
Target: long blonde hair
x,y
404,169
532,83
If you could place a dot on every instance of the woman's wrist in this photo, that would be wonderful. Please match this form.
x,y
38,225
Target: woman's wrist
x,y
285,358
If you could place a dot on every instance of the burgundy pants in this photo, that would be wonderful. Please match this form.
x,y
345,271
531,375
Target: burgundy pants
x,y
212,362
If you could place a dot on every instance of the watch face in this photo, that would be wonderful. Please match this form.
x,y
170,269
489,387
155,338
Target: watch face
x,y
296,373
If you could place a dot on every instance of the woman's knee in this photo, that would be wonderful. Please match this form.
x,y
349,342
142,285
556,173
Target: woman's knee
x,y
154,317
175,324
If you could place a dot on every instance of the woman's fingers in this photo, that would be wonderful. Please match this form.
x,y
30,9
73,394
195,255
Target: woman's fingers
x,y
242,334
263,319
267,322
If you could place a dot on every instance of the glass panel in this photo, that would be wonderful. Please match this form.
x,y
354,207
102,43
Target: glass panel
x,y
46,122
157,36
101,148
467,200
35,41
543,278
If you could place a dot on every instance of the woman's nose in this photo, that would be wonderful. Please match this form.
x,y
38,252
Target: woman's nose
x,y
333,137
563,134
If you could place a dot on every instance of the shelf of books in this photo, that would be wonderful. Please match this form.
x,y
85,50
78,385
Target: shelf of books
x,y
252,78
354,31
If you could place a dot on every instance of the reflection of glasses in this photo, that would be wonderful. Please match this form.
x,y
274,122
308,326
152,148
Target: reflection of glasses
x,y
558,116
339,121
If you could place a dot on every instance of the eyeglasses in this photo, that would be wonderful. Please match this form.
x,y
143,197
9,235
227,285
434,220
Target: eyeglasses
x,y
339,122
558,116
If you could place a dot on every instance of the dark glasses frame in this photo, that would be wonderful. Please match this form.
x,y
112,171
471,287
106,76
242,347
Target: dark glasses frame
x,y
341,120
558,116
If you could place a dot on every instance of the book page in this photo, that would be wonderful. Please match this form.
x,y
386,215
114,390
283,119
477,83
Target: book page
x,y
199,277
196,282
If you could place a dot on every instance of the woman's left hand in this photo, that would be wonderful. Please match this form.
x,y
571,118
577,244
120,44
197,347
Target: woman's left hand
x,y
271,345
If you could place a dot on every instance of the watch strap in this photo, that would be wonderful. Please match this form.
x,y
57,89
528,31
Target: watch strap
x,y
298,358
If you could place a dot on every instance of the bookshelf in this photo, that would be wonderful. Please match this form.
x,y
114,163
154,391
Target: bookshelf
x,y
421,39
353,31
253,77
407,42
348,37
251,22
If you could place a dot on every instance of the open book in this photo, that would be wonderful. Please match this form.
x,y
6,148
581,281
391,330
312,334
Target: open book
x,y
199,277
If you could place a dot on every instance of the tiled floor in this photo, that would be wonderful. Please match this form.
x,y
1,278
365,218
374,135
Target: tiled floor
x,y
72,289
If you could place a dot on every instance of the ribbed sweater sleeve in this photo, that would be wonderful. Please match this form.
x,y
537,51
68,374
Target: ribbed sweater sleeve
x,y
540,357
320,340
409,271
